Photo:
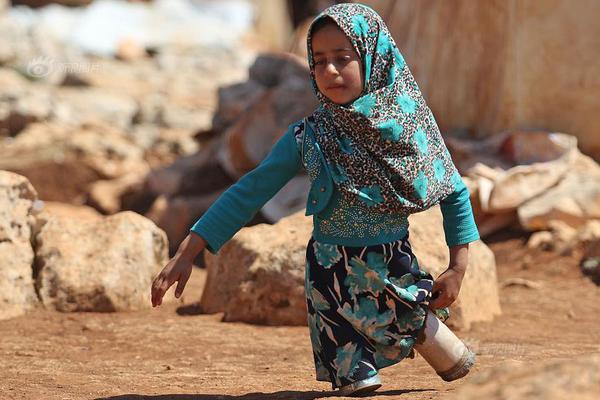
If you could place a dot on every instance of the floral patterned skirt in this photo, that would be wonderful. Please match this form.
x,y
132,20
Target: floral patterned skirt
x,y
366,307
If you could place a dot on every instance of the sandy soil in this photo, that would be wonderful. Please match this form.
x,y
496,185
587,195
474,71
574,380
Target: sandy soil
x,y
173,352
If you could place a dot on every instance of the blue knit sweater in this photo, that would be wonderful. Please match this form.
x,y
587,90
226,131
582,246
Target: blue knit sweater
x,y
335,221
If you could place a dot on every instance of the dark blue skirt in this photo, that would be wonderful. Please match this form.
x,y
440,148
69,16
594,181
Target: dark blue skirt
x,y
366,307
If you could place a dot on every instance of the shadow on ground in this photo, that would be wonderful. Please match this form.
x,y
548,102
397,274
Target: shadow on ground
x,y
286,394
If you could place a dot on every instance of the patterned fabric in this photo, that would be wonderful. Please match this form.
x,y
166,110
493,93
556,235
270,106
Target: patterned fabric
x,y
366,307
385,148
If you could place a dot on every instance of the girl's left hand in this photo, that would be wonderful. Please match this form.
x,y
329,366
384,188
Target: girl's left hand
x,y
448,286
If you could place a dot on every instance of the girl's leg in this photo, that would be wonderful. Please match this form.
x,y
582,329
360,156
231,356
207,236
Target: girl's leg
x,y
343,355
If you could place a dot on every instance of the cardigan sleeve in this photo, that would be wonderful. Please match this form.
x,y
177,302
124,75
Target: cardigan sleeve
x,y
241,201
459,223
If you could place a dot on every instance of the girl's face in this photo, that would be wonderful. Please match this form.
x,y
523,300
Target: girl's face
x,y
338,68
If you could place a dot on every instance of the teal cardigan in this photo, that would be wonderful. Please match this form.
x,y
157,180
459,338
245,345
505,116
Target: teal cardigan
x,y
334,220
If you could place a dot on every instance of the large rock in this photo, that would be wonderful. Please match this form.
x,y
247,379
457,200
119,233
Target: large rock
x,y
531,178
479,298
487,221
185,117
50,209
535,85
253,279
96,105
563,238
175,215
518,165
233,101
257,276
21,104
106,195
17,197
98,263
288,96
574,200
196,174
571,378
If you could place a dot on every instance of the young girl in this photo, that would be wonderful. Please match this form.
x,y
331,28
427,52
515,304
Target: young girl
x,y
374,155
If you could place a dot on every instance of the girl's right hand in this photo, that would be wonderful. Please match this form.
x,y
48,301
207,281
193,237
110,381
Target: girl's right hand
x,y
178,269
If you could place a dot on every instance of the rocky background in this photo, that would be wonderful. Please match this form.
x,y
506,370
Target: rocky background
x,y
121,122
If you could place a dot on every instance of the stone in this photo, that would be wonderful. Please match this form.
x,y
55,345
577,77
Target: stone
x,y
196,174
176,215
528,174
96,105
105,195
174,143
563,233
233,101
574,377
289,97
574,200
188,118
163,146
589,232
258,276
478,300
541,240
270,69
140,80
487,222
184,190
51,209
272,25
298,42
562,237
533,178
103,264
17,218
21,105
48,152
130,50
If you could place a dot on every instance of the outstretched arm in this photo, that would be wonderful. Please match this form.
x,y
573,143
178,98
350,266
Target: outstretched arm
x,y
229,213
238,204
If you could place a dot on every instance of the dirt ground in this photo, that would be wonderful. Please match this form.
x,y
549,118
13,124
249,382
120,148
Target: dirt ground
x,y
172,352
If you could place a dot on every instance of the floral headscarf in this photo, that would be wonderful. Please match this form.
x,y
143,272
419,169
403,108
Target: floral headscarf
x,y
384,148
